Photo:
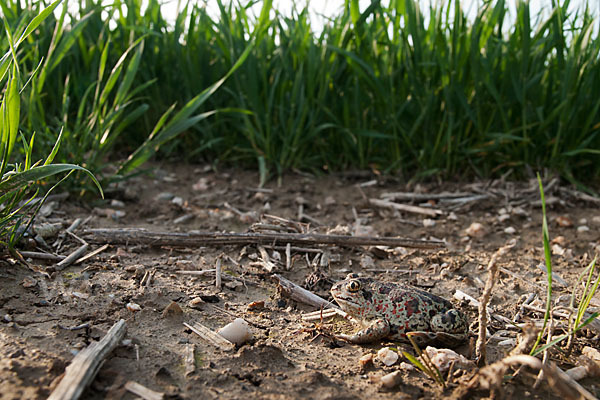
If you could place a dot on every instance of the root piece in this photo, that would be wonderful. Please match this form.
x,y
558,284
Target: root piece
x,y
84,367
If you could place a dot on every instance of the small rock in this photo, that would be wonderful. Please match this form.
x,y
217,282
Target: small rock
x,y
582,228
476,230
444,358
196,303
28,282
392,379
510,230
596,220
201,186
237,332
387,356
520,211
564,221
234,285
406,366
503,217
558,250
133,307
452,216
171,310
117,203
178,201
366,261
591,352
109,213
428,223
301,200
259,196
365,360
48,208
256,306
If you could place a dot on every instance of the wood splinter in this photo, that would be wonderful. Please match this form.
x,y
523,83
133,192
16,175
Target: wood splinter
x,y
86,364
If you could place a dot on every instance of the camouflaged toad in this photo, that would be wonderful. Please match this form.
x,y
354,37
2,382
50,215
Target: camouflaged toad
x,y
391,310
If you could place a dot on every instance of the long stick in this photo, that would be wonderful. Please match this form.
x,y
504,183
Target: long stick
x,y
195,239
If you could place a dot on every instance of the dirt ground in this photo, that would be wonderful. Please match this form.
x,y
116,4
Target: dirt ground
x,y
287,357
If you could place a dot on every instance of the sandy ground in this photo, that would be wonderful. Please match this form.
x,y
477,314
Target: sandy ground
x,y
287,357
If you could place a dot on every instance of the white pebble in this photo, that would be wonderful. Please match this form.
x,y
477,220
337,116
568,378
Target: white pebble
x,y
444,358
133,307
237,332
503,217
510,230
428,223
582,228
406,366
476,230
392,379
387,356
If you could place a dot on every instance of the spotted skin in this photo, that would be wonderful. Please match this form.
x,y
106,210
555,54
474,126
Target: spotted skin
x,y
391,310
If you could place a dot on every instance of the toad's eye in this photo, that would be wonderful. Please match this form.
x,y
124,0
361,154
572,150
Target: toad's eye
x,y
353,286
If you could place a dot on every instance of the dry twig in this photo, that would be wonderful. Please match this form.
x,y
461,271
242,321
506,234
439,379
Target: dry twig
x,y
143,236
143,391
84,367
211,337
485,298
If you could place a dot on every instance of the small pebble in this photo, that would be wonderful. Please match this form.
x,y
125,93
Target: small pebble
x,y
117,203
444,358
178,201
406,366
237,332
582,228
428,223
196,303
392,379
558,249
387,356
366,359
256,305
476,230
510,230
133,307
503,217
564,221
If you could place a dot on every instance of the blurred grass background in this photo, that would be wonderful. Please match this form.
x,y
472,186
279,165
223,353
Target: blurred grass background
x,y
381,87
